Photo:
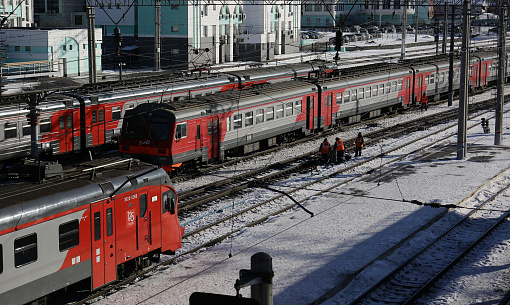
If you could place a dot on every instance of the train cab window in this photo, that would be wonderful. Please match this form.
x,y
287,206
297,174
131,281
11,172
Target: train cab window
x,y
116,112
279,111
169,199
68,235
26,129
94,116
368,92
339,98
130,106
297,105
143,205
374,90
347,96
158,129
134,127
25,250
97,226
289,110
109,222
10,130
248,118
270,114
45,125
181,131
1,259
259,116
238,121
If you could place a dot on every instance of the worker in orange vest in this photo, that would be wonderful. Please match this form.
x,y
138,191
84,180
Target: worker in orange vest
x,y
424,101
340,150
324,150
358,142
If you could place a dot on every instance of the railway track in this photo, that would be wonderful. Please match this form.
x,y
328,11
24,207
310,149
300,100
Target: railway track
x,y
409,281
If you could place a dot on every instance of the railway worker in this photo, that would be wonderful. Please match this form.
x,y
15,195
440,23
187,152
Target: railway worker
x,y
424,101
358,142
324,149
340,150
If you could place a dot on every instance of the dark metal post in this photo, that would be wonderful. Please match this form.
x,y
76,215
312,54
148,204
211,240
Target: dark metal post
x,y
404,30
92,44
34,119
464,73
498,128
157,37
262,263
450,72
445,28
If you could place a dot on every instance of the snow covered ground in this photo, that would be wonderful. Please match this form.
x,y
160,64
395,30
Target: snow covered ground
x,y
312,255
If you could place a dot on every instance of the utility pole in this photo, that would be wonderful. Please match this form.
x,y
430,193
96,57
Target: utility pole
x,y
464,73
157,37
498,128
450,71
404,30
92,44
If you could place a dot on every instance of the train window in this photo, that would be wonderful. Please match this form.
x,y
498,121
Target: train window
x,y
198,132
169,202
238,121
209,128
270,114
374,90
347,96
248,118
10,130
1,259
399,85
289,109
388,87
394,87
361,93
134,127
181,131
143,205
354,94
426,80
69,121
26,129
442,76
25,250
408,83
101,115
338,98
130,106
381,88
94,116
432,78
215,127
297,105
228,123
97,225
68,235
109,222
368,91
279,111
45,125
259,116
62,123
158,129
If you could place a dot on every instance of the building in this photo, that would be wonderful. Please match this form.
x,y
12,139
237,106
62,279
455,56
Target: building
x,y
17,13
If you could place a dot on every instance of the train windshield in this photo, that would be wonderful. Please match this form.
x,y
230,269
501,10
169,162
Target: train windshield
x,y
159,128
134,127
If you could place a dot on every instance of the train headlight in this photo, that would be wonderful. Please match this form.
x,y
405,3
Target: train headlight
x,y
46,145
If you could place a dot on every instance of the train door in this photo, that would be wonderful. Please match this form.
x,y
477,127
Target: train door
x,y
143,222
213,136
199,143
97,125
328,101
309,112
65,138
104,266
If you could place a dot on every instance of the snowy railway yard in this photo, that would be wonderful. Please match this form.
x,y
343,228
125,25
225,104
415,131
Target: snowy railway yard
x,y
371,214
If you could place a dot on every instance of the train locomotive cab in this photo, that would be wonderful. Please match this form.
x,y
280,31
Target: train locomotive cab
x,y
147,134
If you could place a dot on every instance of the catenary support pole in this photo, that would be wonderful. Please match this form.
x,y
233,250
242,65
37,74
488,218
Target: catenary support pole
x,y
157,36
452,49
463,92
262,263
445,28
404,30
498,128
92,44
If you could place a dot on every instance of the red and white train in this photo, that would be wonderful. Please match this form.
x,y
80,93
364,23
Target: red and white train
x,y
86,119
87,227
205,128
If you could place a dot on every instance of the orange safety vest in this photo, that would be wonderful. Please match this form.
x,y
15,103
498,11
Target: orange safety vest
x,y
359,142
325,148
340,145
424,99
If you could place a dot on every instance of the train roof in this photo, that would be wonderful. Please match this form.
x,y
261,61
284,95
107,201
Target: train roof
x,y
23,202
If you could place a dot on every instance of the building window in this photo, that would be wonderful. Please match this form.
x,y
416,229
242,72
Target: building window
x,y
25,250
308,21
70,47
205,31
308,8
28,48
175,28
174,6
78,20
318,7
68,235
64,47
317,21
17,48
